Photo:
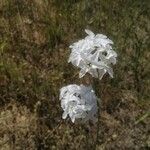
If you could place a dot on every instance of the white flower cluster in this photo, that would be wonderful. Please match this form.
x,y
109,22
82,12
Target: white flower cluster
x,y
78,102
93,54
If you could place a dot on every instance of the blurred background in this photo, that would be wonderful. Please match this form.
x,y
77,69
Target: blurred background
x,y
34,40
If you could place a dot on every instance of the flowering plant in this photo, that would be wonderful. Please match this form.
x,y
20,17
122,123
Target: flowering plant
x,y
78,102
93,54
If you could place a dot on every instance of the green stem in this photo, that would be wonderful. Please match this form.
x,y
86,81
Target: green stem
x,y
143,117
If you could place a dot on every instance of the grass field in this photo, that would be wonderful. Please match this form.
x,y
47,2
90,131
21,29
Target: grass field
x,y
34,48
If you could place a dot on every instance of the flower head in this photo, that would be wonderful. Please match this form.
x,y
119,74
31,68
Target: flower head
x,y
78,102
93,54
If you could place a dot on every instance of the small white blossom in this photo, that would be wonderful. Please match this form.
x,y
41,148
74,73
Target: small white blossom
x,y
78,102
93,54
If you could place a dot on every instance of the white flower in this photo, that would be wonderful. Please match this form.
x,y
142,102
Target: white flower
x,y
78,102
93,54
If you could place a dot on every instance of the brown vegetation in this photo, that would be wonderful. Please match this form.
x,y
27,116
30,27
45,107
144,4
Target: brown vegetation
x,y
34,40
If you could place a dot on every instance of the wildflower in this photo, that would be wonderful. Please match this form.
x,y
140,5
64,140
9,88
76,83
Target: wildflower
x,y
78,102
93,54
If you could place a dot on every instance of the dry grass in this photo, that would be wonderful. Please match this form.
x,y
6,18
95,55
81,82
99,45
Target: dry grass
x,y
34,40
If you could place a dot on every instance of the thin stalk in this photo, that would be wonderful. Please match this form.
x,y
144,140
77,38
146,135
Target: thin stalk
x,y
143,117
96,87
